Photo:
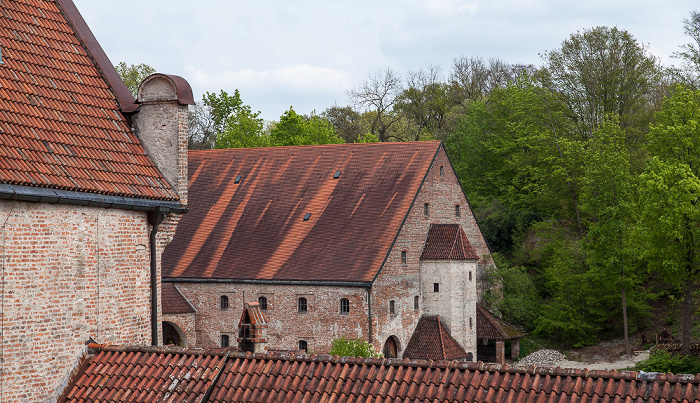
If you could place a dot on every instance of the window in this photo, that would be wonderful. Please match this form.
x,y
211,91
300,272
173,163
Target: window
x,y
436,287
457,212
263,303
303,345
344,306
224,302
404,257
301,305
336,175
392,307
415,302
307,216
470,276
238,179
224,340
442,170
426,210
470,323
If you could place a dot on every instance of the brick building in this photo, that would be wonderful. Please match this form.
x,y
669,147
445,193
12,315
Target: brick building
x,y
92,185
353,240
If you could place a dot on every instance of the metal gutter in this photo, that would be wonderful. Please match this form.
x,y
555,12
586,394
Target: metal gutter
x,y
60,196
363,284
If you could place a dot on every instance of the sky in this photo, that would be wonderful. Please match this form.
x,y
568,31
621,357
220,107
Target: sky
x,y
309,53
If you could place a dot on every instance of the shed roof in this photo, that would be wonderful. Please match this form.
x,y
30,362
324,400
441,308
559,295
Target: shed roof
x,y
61,120
432,341
278,214
493,328
447,242
172,374
173,300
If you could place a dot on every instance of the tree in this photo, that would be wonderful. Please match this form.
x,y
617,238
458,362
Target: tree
x,y
235,125
352,348
598,73
690,53
133,75
346,122
425,101
294,129
474,79
669,192
379,95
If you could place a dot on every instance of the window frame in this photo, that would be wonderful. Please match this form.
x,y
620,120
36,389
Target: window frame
x,y
416,303
305,345
302,305
225,337
426,210
392,307
224,302
262,300
404,258
344,306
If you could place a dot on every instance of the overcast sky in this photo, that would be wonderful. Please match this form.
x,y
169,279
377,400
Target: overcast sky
x,y
307,53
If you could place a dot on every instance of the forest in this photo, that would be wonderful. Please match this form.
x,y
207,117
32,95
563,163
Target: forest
x,y
583,172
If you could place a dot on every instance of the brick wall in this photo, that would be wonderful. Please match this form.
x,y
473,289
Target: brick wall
x,y
68,273
186,323
286,326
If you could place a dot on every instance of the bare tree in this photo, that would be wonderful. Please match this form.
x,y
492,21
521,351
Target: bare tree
x,y
379,95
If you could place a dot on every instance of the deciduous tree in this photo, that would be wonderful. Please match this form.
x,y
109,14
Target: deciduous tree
x,y
133,75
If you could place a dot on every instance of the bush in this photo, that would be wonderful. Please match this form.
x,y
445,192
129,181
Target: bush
x,y
662,361
352,348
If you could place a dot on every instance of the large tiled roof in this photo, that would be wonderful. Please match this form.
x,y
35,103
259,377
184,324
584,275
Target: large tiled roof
x,y
173,300
491,327
432,341
447,242
171,374
256,228
61,124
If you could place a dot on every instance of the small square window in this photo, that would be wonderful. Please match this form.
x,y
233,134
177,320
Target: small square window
x,y
344,306
303,345
436,287
302,305
458,213
426,209
404,257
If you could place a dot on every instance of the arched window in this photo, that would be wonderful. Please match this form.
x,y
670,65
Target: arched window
x,y
415,302
224,340
301,305
224,302
263,303
442,170
404,257
344,306
303,345
392,307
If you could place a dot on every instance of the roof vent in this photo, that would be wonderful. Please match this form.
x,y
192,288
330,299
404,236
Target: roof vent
x,y
336,175
238,179
307,216
1,60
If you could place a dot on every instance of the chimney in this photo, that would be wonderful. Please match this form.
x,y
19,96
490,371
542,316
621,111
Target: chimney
x,y
161,125
252,329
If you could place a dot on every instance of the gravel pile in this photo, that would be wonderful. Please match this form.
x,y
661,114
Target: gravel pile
x,y
543,358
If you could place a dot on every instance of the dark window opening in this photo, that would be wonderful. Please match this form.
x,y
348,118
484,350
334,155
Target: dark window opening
x,y
1,61
404,257
224,302
336,175
238,179
436,287
303,345
301,305
457,212
442,170
470,323
426,210
263,303
470,276
307,216
224,340
344,306
415,302
392,307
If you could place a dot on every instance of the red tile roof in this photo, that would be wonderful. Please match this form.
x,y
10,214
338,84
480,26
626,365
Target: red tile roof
x,y
61,124
256,229
172,374
432,341
491,327
173,300
447,242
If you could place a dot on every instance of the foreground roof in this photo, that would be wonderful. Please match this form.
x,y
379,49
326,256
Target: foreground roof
x,y
432,341
61,101
491,327
447,242
278,214
172,374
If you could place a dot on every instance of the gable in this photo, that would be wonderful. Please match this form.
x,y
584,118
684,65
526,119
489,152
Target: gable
x,y
447,242
61,124
256,229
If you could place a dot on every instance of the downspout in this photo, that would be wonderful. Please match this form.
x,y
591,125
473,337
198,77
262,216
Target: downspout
x,y
155,217
369,309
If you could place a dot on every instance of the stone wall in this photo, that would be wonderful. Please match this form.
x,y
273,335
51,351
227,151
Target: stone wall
x,y
69,273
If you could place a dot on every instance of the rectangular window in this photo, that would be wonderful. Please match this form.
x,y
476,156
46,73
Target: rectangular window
x,y
344,306
404,257
224,340
436,287
301,305
415,302
426,210
392,307
457,212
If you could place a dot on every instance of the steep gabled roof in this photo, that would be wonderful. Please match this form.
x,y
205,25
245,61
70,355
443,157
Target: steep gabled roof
x,y
172,374
491,327
447,242
432,341
173,300
278,214
61,122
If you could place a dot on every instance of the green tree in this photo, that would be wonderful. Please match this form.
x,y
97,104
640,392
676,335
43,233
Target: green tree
x,y
294,129
347,122
133,75
669,191
234,123
690,52
425,102
352,348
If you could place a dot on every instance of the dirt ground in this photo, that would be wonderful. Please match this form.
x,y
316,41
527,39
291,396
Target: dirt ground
x,y
604,356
